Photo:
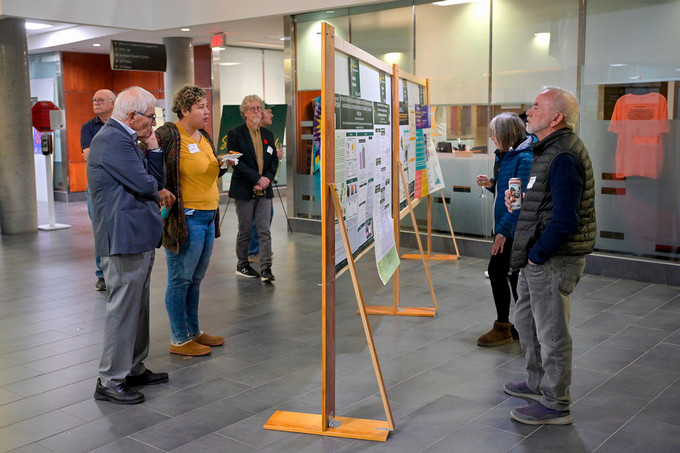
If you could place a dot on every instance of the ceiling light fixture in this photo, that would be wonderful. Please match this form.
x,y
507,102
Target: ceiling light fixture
x,y
185,29
617,65
452,2
96,45
542,38
36,26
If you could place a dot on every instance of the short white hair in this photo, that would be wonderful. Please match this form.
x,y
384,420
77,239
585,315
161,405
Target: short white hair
x,y
133,99
565,103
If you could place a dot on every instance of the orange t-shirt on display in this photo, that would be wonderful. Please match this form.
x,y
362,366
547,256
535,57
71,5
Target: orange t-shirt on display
x,y
639,121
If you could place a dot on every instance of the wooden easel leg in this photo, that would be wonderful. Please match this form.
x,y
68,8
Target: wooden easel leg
x,y
420,243
448,218
362,307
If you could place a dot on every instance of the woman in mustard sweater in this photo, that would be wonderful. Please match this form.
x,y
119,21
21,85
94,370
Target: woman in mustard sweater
x,y
191,227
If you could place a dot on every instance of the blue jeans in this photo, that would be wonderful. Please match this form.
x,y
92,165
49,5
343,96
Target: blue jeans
x,y
186,269
254,247
542,320
97,260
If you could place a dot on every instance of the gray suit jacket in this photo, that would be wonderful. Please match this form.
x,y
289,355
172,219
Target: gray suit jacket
x,y
124,185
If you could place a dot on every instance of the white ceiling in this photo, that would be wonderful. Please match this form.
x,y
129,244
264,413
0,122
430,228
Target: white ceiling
x,y
81,23
261,32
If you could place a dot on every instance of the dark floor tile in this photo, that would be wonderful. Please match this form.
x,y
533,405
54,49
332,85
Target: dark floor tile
x,y
100,432
188,399
398,441
127,445
50,381
305,443
43,403
35,429
641,381
673,338
608,322
672,305
189,427
213,443
606,359
661,319
475,437
606,411
643,434
499,417
664,355
637,338
575,438
583,340
439,418
665,407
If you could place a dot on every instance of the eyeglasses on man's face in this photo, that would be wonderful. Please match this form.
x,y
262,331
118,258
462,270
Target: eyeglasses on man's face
x,y
151,117
257,108
98,100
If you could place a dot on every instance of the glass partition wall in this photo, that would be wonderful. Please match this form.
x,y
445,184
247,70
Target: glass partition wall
x,y
487,56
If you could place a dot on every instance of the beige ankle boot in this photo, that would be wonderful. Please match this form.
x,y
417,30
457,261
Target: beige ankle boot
x,y
500,334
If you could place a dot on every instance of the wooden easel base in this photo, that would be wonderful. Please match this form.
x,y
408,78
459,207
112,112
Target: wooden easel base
x,y
402,311
352,428
415,256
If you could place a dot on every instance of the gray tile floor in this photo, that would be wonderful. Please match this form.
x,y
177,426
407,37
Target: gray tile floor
x,y
445,391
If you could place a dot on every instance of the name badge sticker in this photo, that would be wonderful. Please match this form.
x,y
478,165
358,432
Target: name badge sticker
x,y
532,180
270,150
193,148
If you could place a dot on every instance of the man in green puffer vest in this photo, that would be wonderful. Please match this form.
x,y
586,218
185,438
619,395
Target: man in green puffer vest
x,y
555,230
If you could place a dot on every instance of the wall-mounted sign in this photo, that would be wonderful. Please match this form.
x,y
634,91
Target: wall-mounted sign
x,y
218,40
354,79
137,56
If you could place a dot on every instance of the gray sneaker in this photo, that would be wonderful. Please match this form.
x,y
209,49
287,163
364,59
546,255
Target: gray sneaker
x,y
521,390
538,414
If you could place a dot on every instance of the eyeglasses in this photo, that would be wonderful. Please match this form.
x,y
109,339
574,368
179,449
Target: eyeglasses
x,y
151,117
255,109
99,100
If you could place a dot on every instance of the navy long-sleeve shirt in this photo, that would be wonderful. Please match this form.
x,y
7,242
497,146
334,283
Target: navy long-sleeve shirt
x,y
566,187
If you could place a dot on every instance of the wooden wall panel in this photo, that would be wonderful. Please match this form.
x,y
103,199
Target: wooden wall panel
x,y
305,112
203,77
150,81
85,73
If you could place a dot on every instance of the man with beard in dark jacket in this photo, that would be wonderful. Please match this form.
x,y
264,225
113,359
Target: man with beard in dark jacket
x,y
555,230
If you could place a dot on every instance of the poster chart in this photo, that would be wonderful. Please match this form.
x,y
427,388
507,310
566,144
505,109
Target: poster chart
x,y
417,151
363,170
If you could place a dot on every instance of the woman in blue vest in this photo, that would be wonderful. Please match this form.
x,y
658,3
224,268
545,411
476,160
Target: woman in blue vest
x,y
513,160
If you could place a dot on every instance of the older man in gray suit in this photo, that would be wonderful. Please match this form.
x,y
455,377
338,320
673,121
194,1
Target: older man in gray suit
x,y
127,190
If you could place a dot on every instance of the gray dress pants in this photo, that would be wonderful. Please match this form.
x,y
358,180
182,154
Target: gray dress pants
x,y
126,331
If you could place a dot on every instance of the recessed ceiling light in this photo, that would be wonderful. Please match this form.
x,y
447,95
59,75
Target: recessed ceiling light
x,y
36,26
230,63
617,65
96,45
185,29
282,39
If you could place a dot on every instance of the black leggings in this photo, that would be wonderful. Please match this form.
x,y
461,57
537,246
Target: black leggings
x,y
499,268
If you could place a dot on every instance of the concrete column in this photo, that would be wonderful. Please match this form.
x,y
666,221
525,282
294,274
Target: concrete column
x,y
179,70
18,210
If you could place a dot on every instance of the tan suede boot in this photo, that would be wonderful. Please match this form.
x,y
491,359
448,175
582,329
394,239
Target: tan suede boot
x,y
500,334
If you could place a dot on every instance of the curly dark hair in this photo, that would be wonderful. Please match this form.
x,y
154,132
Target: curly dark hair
x,y
186,97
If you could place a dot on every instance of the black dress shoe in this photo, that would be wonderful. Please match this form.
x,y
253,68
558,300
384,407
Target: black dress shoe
x,y
120,394
146,378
